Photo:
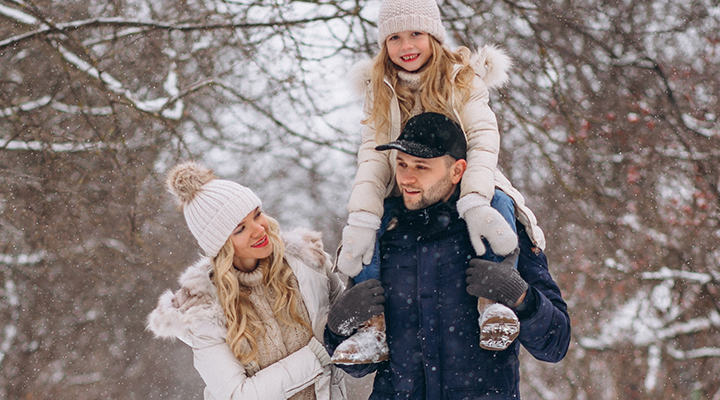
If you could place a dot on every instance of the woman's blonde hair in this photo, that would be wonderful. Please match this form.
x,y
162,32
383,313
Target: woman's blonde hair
x,y
244,325
435,89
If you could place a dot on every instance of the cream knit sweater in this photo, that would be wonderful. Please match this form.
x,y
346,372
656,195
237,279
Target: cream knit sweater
x,y
280,339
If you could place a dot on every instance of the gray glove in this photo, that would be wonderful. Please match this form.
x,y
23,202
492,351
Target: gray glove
x,y
499,282
356,306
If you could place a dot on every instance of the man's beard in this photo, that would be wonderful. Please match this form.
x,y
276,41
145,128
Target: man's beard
x,y
432,195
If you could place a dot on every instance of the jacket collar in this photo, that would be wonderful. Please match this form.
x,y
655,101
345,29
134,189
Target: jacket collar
x,y
434,219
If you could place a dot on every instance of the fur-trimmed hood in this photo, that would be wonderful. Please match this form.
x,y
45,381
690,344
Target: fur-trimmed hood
x,y
491,64
194,309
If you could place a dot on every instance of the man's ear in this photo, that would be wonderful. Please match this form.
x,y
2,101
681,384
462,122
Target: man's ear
x,y
457,170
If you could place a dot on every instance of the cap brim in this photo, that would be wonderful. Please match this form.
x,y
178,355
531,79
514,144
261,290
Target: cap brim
x,y
412,148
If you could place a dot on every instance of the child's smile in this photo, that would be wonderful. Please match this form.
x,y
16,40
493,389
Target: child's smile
x,y
409,50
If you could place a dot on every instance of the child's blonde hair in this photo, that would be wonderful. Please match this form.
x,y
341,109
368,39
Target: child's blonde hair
x,y
244,325
435,88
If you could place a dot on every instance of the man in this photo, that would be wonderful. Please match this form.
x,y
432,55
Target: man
x,y
430,282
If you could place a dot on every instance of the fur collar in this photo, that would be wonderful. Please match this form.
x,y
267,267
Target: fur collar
x,y
491,64
307,246
195,306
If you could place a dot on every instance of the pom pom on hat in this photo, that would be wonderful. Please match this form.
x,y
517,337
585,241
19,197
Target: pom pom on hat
x,y
409,15
186,179
213,207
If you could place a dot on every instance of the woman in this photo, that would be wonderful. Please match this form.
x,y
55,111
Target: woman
x,y
254,309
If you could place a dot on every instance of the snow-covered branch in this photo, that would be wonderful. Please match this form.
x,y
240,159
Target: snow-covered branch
x,y
22,259
59,106
667,273
27,106
9,332
639,323
158,105
17,15
705,128
70,147
691,326
114,36
632,221
702,352
66,108
12,298
156,25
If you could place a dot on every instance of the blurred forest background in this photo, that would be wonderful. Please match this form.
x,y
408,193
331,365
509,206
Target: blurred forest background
x,y
609,127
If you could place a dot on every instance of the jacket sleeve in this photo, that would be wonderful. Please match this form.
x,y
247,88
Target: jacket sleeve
x,y
483,142
374,173
335,284
544,331
226,379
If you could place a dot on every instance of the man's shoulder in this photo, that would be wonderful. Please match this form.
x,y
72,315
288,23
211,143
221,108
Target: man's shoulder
x,y
392,207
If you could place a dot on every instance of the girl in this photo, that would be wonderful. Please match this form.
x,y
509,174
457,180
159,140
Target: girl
x,y
254,309
415,73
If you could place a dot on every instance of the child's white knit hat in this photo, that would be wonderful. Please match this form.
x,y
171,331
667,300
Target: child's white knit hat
x,y
213,207
409,15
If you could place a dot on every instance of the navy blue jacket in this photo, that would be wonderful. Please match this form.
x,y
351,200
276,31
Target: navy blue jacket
x,y
432,322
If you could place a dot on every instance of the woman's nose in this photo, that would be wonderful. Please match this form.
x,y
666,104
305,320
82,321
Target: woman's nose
x,y
257,229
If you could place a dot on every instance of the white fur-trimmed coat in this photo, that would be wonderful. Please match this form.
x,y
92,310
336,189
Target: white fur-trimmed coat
x,y
194,315
375,178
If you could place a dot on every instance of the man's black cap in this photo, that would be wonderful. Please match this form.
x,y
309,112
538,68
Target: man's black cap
x,y
430,135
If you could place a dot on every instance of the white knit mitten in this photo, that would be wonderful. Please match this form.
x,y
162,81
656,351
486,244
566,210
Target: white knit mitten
x,y
483,221
320,352
358,242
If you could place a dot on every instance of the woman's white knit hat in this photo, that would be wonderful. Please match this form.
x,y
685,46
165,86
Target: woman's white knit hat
x,y
409,15
213,207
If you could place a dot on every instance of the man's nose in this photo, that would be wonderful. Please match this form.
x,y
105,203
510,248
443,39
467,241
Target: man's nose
x,y
407,177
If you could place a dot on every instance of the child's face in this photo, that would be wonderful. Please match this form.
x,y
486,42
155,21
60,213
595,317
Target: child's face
x,y
409,50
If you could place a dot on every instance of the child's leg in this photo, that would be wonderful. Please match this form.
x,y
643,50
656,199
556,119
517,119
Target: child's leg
x,y
506,207
499,325
372,270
